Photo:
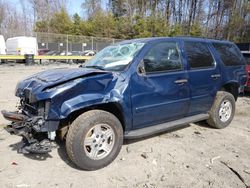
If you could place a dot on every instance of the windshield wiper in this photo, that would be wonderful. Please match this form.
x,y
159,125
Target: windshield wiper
x,y
95,67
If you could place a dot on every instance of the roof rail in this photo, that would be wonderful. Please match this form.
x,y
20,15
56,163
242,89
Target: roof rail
x,y
200,37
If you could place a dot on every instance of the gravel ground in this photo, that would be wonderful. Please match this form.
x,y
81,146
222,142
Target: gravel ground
x,y
195,156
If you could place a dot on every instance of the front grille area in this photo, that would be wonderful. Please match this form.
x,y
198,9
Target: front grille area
x,y
27,94
30,109
33,109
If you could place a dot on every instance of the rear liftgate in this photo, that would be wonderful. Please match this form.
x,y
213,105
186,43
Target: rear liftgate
x,y
25,126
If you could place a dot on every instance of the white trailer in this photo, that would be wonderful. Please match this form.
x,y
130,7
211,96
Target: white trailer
x,y
22,45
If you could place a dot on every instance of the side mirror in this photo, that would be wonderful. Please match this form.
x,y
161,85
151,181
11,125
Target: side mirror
x,y
141,69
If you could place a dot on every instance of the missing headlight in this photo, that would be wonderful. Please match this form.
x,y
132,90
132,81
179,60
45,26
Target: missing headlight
x,y
46,110
43,108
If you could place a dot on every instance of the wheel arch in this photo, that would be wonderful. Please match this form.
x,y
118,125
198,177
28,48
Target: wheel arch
x,y
231,87
114,108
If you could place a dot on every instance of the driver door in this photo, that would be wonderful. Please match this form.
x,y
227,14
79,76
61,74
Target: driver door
x,y
161,93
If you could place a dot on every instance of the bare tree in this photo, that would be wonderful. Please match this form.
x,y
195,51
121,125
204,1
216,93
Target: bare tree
x,y
91,7
42,9
13,22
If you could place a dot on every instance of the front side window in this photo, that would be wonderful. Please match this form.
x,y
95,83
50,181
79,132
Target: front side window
x,y
161,57
198,55
229,54
115,57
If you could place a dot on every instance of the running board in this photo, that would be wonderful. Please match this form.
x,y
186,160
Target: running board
x,y
154,129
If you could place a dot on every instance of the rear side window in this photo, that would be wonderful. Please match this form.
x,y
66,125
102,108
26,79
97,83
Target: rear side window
x,y
229,54
247,57
198,55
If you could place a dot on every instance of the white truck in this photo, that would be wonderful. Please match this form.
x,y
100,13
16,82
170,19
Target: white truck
x,y
22,45
2,48
2,45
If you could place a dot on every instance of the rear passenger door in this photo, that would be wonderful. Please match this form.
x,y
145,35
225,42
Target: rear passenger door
x,y
204,75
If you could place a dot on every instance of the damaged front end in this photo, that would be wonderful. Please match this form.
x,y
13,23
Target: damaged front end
x,y
29,123
48,98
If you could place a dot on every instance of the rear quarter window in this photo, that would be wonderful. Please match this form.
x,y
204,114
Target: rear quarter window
x,y
247,57
229,54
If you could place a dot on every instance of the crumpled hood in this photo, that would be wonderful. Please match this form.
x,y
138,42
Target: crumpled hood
x,y
60,75
48,78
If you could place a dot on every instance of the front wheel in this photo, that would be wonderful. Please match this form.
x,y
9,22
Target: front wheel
x,y
94,139
222,111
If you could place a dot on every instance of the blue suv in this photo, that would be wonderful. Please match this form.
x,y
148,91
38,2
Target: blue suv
x,y
128,90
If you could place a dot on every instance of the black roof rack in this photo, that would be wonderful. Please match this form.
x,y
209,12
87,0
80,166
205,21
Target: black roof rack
x,y
200,37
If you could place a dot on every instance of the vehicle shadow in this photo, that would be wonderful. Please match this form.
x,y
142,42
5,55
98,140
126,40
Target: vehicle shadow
x,y
61,150
246,94
38,157
33,156
204,124
59,145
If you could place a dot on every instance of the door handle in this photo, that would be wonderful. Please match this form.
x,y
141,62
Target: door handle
x,y
215,76
181,81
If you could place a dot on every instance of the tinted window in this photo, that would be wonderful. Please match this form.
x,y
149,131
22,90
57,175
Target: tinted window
x,y
247,57
229,54
162,57
198,55
243,46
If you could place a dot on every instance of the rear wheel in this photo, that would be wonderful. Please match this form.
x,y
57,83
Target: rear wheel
x,y
94,139
222,111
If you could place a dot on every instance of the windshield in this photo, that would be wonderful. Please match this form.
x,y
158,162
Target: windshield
x,y
114,57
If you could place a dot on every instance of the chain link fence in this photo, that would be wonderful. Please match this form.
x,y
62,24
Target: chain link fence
x,y
69,43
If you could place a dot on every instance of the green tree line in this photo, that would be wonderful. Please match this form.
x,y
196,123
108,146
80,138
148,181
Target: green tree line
x,y
126,19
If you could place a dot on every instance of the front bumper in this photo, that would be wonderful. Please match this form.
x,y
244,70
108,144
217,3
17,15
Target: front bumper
x,y
34,131
35,122
11,116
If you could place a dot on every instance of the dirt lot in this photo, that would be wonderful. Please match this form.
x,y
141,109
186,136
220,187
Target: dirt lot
x,y
197,156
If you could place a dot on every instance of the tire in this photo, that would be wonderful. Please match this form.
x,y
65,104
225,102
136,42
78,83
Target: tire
x,y
222,111
88,142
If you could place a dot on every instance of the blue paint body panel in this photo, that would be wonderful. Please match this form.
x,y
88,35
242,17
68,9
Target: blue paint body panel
x,y
144,100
